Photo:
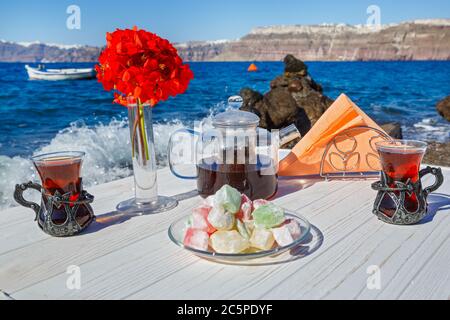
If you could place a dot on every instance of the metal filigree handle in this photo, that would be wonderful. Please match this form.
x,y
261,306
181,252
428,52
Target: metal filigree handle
x,y
18,196
439,178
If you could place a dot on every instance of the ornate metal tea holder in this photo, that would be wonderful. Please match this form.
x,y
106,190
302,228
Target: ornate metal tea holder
x,y
397,194
51,203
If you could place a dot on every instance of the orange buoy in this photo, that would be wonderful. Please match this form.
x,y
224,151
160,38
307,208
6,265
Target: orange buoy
x,y
252,68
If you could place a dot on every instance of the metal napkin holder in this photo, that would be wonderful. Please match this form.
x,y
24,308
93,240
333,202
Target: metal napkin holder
x,y
351,172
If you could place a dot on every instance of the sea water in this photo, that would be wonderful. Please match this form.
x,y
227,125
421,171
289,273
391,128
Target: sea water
x,y
43,116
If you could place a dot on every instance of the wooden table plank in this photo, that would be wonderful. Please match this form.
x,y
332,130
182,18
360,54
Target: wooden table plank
x,y
132,257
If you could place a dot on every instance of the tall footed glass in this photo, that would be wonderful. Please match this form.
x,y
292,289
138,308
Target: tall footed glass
x,y
146,200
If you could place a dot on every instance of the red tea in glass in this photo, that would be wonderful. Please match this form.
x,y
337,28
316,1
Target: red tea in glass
x,y
60,173
400,161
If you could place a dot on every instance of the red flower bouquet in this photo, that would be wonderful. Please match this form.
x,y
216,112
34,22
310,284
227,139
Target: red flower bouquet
x,y
142,69
139,64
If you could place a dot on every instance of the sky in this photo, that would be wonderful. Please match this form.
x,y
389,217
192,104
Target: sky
x,y
183,20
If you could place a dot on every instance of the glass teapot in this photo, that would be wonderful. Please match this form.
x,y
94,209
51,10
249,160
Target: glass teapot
x,y
230,149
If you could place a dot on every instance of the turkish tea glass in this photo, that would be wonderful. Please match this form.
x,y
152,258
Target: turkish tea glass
x,y
64,208
401,198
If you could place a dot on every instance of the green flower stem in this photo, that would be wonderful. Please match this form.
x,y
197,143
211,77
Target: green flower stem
x,y
142,129
139,123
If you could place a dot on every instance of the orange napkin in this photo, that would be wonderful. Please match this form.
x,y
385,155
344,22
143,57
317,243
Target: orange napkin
x,y
349,150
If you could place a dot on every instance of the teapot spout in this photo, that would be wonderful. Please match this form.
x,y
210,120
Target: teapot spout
x,y
288,134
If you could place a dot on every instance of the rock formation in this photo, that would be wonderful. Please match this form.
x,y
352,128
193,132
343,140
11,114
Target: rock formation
x,y
394,129
438,154
40,52
416,40
443,108
294,97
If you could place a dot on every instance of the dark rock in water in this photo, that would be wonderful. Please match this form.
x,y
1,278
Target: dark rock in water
x,y
293,98
312,101
443,107
294,65
276,109
394,129
283,111
438,154
250,97
279,81
295,86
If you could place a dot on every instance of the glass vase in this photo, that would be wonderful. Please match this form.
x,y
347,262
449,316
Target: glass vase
x,y
146,200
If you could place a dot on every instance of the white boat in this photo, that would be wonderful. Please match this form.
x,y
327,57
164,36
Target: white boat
x,y
41,73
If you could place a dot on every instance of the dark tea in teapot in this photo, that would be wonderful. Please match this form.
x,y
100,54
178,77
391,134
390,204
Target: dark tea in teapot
x,y
256,180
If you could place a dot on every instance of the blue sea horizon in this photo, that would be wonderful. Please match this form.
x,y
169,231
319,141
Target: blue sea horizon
x,y
44,116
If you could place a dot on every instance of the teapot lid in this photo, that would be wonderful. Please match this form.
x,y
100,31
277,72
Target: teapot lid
x,y
235,118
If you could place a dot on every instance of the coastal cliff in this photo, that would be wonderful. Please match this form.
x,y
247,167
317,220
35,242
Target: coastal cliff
x,y
418,40
41,52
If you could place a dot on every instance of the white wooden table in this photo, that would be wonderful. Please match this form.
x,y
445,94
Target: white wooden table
x,y
124,257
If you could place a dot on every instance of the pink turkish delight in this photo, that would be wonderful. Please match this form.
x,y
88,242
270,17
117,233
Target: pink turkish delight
x,y
245,212
200,219
260,202
197,239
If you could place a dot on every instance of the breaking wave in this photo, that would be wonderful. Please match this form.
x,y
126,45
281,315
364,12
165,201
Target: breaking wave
x,y
108,155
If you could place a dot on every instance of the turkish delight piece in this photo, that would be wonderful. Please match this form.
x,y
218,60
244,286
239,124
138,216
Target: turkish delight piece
x,y
220,219
209,201
197,239
242,229
228,198
282,236
268,216
262,239
260,202
245,212
250,225
228,242
294,228
200,219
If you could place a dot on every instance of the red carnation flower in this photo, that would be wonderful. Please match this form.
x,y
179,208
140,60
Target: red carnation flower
x,y
139,64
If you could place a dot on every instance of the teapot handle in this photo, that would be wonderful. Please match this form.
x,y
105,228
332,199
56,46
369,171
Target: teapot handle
x,y
439,178
170,150
18,196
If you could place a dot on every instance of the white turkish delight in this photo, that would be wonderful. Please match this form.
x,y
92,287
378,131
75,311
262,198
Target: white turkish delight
x,y
262,239
282,236
220,219
242,229
294,228
228,242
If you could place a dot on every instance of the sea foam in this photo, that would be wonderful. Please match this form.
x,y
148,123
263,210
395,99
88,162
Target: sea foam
x,y
108,155
430,129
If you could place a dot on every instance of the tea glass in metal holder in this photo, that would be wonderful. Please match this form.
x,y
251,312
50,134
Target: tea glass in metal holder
x,y
401,198
65,208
